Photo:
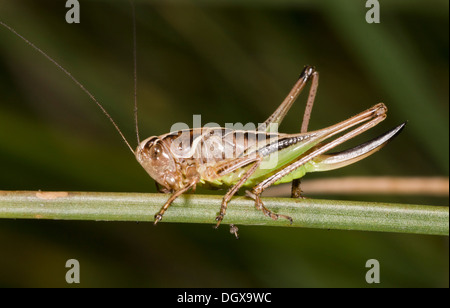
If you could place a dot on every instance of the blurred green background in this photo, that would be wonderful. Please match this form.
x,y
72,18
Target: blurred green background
x,y
230,61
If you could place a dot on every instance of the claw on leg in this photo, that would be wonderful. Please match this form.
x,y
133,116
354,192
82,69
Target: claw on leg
x,y
158,217
223,210
219,219
234,230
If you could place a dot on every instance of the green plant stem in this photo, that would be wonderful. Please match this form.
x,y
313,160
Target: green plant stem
x,y
308,213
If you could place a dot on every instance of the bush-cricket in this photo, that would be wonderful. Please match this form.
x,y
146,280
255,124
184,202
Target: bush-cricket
x,y
218,157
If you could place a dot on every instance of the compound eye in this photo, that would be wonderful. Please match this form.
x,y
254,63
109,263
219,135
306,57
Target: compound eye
x,y
155,151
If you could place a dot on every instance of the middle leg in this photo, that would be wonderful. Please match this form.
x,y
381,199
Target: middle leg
x,y
230,193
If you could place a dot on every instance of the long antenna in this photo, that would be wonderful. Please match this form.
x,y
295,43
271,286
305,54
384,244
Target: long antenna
x,y
133,12
74,79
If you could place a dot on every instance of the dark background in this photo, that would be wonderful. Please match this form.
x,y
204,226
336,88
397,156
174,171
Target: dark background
x,y
230,61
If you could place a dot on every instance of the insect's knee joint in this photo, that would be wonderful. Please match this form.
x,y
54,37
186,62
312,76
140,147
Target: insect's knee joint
x,y
307,72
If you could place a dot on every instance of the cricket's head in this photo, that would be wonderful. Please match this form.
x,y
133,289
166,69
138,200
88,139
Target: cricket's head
x,y
155,157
